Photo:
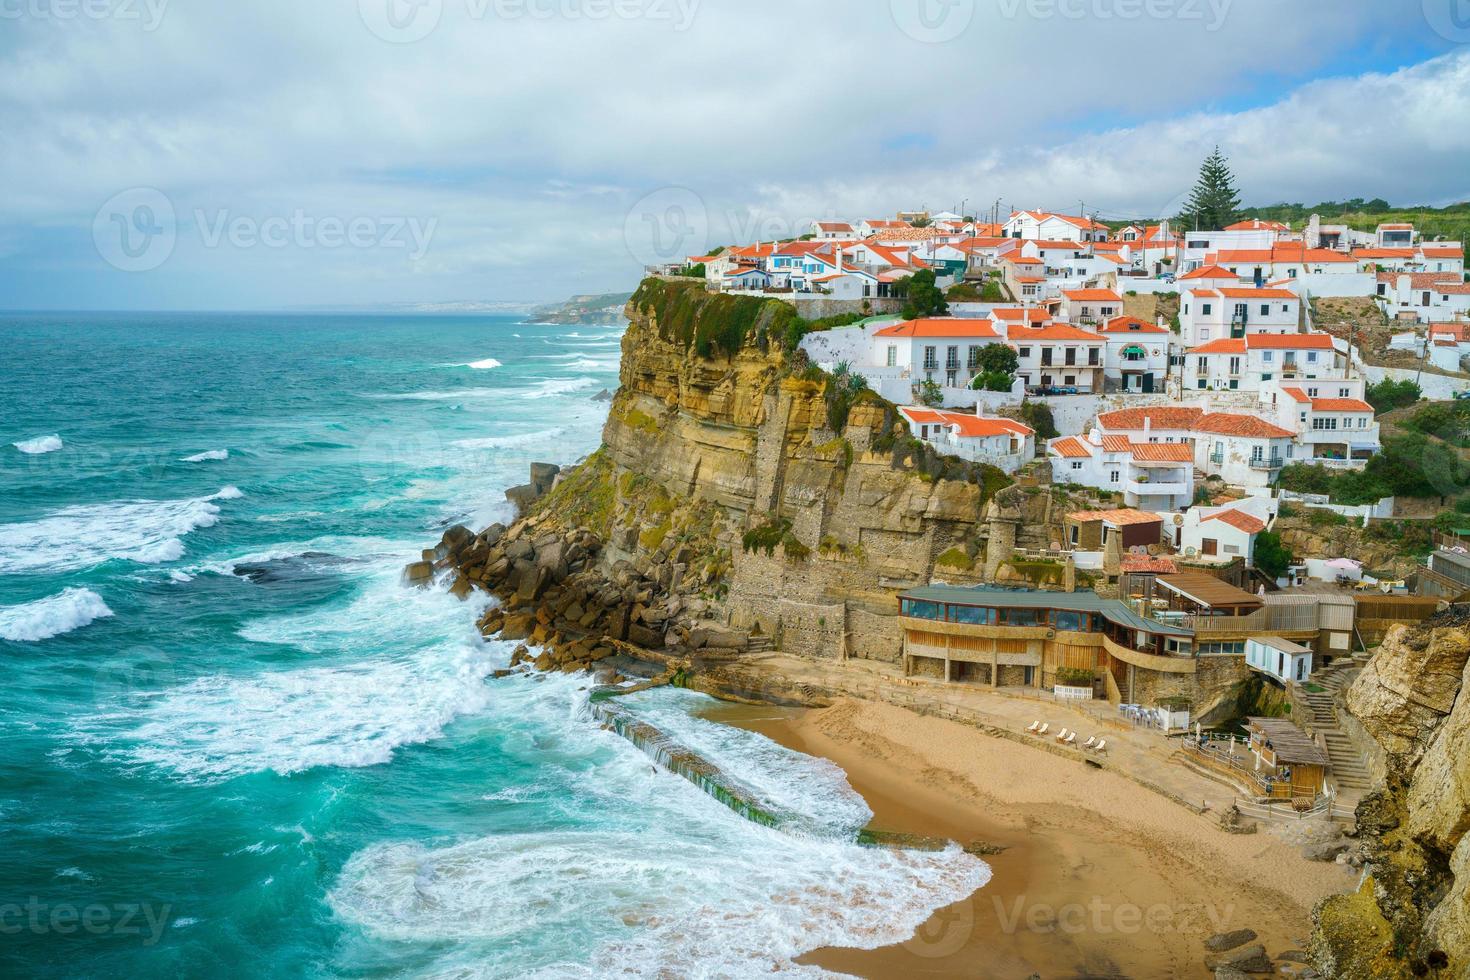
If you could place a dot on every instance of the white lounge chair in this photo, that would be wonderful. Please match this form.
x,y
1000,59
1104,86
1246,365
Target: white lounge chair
x,y
1071,739
1062,735
1101,746
1033,726
1043,728
1091,741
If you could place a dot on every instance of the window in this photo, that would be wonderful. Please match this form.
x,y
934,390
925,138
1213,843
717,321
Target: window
x,y
1324,422
1023,351
1362,421
1258,453
1265,309
1311,357
974,357
1343,392
931,358
1204,309
922,609
1076,464
1113,476
892,355
1267,356
952,358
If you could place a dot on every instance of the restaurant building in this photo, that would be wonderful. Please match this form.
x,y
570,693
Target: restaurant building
x,y
1022,638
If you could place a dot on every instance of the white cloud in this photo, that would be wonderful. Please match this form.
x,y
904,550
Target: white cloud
x,y
527,138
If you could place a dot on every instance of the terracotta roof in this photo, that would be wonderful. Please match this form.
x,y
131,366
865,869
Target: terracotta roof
x,y
834,226
1118,518
1239,520
1162,452
1225,345
1131,324
1233,292
1256,224
1092,295
1340,405
1158,416
940,327
1288,341
1230,424
1146,565
1291,253
1018,313
1115,444
970,426
1071,448
1383,253
1210,272
1052,331
1296,394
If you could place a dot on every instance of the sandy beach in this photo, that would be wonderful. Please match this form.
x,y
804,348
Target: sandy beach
x,y
1098,877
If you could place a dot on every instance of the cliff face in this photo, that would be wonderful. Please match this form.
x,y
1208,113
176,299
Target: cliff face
x,y
1414,699
813,518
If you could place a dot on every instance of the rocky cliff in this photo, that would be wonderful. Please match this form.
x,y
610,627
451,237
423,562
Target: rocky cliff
x,y
801,494
1411,917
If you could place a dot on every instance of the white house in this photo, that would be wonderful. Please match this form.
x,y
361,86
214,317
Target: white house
x,y
1137,354
1243,450
1209,313
1423,296
1226,532
1001,442
1332,422
1057,354
1155,476
833,229
1245,363
1282,659
1090,306
1449,345
1051,226
945,350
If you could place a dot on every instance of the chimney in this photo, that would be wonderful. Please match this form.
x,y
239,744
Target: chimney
x,y
839,258
1147,423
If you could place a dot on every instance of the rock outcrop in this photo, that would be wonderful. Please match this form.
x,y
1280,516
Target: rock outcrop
x,y
1413,909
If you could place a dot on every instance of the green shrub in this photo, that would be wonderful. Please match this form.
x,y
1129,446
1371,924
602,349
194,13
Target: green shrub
x,y
955,558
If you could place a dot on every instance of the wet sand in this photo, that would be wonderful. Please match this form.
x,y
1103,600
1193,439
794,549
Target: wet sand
x,y
1098,878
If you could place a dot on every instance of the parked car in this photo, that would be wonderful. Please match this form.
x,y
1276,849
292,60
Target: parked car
x,y
1167,277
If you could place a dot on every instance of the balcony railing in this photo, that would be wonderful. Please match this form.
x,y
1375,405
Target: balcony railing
x,y
1155,488
1274,463
1217,458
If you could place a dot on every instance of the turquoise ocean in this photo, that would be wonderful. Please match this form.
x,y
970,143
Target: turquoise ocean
x,y
233,743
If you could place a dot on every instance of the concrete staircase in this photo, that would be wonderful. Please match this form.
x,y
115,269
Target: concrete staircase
x,y
1349,769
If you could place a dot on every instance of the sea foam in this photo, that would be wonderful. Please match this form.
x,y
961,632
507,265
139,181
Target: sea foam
x,y
144,531
68,610
39,445
207,456
484,365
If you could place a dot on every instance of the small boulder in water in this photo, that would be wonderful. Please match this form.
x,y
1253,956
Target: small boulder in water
x,y
603,396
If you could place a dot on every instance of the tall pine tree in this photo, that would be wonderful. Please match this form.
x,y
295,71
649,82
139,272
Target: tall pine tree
x,y
1214,202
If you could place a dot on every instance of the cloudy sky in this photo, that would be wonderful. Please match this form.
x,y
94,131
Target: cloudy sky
x,y
247,154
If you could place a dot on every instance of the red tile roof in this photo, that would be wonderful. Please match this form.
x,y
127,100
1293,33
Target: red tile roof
x,y
1130,324
970,426
1018,313
1115,444
1052,331
1071,447
1232,292
940,327
1147,565
1158,416
1340,405
1092,295
1288,341
1162,452
1296,394
1225,345
1210,272
1240,520
1231,424
1118,517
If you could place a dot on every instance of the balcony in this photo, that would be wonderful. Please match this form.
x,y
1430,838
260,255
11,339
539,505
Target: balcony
x,y
1154,488
1217,458
1274,463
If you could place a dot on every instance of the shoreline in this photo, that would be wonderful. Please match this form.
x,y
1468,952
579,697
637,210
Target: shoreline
x,y
1097,876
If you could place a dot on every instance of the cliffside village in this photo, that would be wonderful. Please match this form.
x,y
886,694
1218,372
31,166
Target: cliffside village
x,y
1183,422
